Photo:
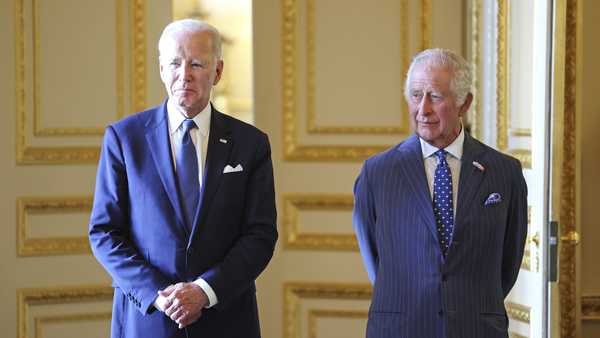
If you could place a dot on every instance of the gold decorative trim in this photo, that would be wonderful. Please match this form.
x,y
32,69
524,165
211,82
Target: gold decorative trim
x,y
526,263
293,203
515,335
311,114
293,292
56,295
38,130
292,150
518,312
530,261
41,321
138,45
476,43
50,245
590,307
501,75
425,24
26,154
315,314
568,200
520,132
502,80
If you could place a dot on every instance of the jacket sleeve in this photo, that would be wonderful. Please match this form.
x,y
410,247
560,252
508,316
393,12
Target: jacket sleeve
x,y
364,218
253,249
109,230
516,231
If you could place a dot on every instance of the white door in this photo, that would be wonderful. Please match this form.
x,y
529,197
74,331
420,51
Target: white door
x,y
512,55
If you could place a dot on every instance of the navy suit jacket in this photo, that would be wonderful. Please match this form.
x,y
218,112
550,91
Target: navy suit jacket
x,y
137,230
417,292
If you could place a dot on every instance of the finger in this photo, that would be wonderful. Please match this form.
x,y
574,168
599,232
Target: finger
x,y
167,291
173,307
189,319
178,315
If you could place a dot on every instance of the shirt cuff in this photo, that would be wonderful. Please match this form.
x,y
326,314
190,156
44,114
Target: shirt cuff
x,y
210,293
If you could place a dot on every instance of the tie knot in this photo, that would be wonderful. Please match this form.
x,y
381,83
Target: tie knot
x,y
441,155
187,125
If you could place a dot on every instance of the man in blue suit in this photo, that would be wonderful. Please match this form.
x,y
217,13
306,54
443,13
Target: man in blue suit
x,y
184,209
441,219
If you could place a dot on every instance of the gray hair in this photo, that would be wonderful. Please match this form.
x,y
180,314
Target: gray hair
x,y
460,83
192,26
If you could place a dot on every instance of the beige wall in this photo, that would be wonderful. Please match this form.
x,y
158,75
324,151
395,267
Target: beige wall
x,y
590,158
85,56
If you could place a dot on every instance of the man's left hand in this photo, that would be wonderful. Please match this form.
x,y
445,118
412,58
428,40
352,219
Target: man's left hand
x,y
187,302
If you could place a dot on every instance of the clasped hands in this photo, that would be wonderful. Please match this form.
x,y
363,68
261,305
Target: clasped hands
x,y
182,302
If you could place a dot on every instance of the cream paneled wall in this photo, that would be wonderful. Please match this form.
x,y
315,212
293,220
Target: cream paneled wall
x,y
69,68
328,90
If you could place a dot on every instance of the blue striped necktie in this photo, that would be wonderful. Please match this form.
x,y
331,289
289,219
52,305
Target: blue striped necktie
x,y
187,172
442,201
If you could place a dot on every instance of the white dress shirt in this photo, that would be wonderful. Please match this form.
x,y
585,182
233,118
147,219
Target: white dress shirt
x,y
455,151
199,137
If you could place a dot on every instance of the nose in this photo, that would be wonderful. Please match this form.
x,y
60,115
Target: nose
x,y
185,74
425,105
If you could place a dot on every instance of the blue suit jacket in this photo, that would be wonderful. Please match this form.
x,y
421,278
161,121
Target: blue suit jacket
x,y
417,292
138,234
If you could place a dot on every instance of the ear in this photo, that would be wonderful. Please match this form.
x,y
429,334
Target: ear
x,y
218,72
465,106
161,69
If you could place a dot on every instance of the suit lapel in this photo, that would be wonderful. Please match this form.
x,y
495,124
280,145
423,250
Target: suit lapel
x,y
157,136
218,150
470,176
411,163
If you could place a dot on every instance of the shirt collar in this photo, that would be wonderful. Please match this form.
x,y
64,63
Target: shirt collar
x,y
455,148
202,120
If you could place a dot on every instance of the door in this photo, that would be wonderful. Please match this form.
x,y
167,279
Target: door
x,y
513,62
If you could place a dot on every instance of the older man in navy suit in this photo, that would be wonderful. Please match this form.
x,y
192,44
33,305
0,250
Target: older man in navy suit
x,y
441,219
184,209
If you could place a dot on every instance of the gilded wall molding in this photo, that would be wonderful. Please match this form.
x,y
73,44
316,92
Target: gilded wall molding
x,y
503,127
295,203
312,126
292,149
515,335
567,260
38,130
27,246
138,45
294,292
425,24
55,295
27,154
590,307
41,321
476,43
315,314
518,312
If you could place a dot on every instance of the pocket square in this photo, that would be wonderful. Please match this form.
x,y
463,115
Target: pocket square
x,y
493,198
230,169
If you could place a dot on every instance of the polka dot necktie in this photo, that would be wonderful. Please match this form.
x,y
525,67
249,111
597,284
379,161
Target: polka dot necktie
x,y
442,201
187,172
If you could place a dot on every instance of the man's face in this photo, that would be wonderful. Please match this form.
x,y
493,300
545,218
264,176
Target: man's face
x,y
189,69
433,108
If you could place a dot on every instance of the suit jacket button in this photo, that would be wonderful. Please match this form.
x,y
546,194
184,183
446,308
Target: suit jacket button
x,y
441,312
444,277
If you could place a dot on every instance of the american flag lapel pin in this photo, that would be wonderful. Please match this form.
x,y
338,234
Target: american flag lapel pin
x,y
478,166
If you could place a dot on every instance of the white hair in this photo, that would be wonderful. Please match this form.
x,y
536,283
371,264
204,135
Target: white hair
x,y
460,83
192,26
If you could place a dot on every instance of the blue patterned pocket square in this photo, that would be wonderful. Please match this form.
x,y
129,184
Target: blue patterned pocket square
x,y
493,198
